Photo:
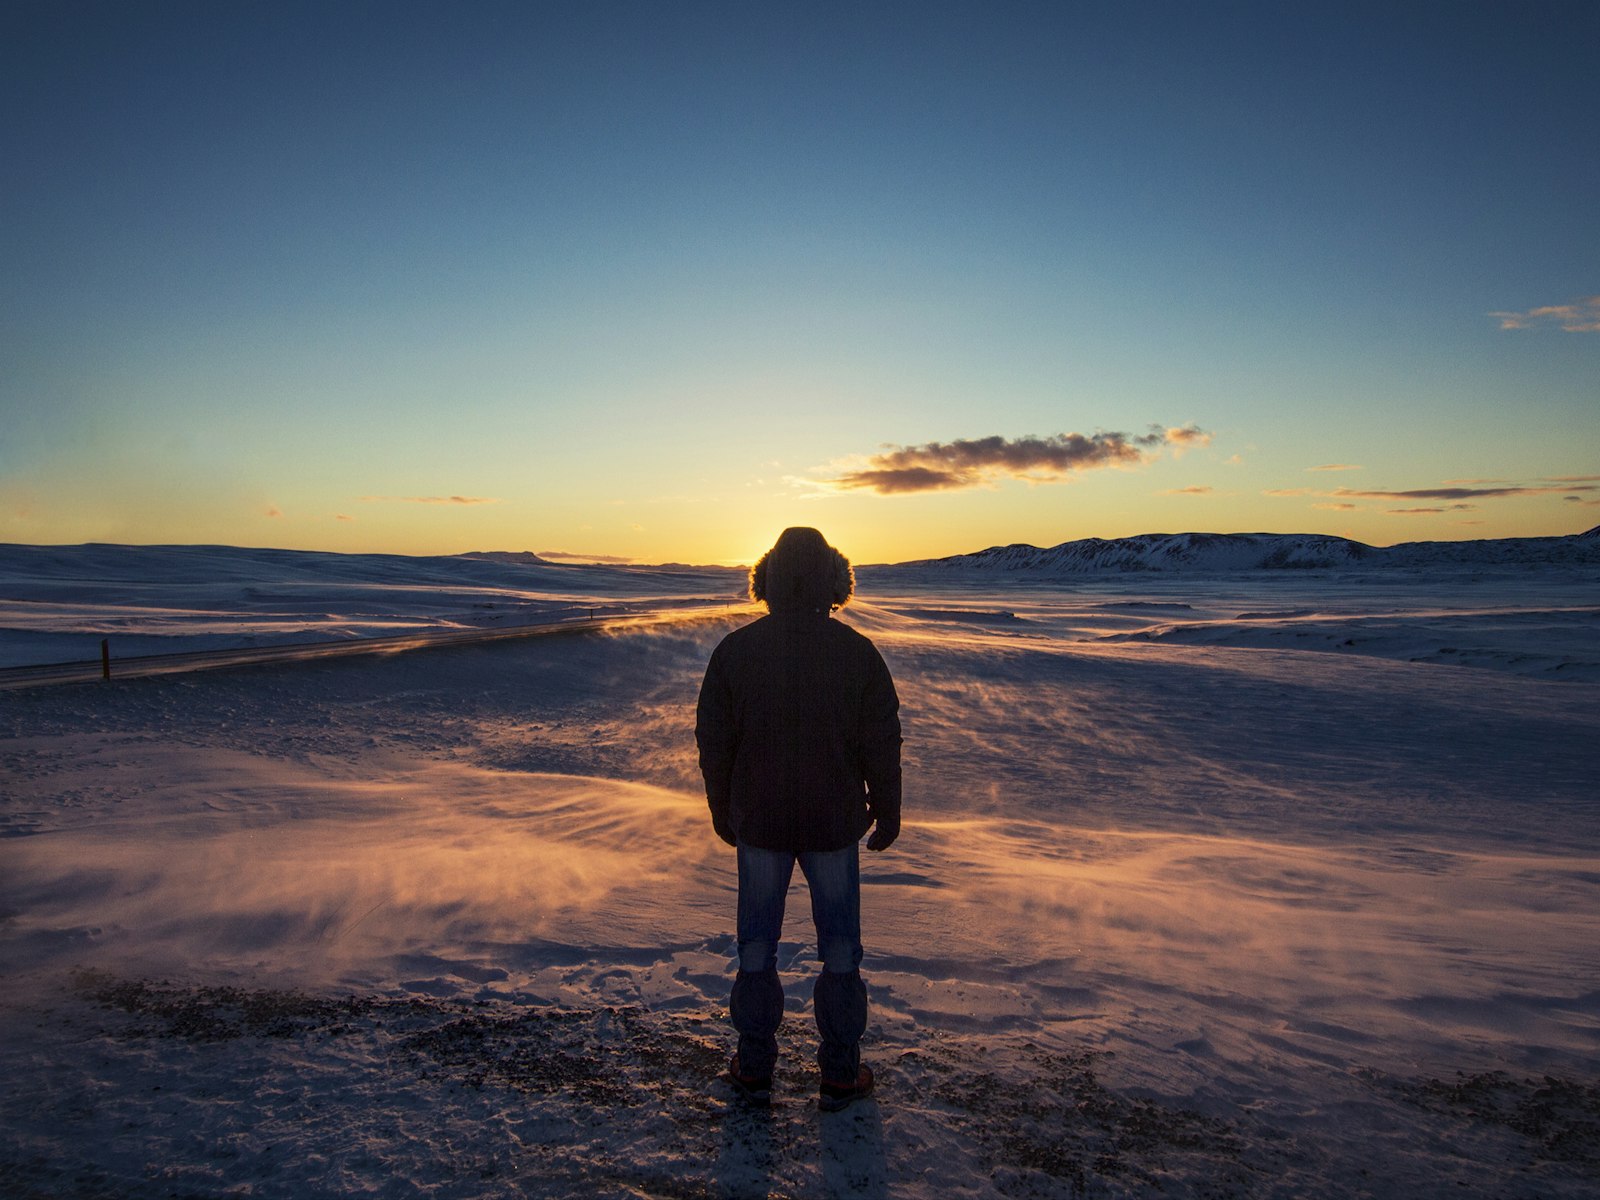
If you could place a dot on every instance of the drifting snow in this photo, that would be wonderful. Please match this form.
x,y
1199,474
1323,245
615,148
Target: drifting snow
x,y
1187,904
58,602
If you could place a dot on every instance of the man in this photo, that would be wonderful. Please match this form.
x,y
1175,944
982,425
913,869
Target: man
x,y
799,733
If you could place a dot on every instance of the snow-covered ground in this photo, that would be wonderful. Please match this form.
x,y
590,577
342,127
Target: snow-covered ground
x,y
1261,884
57,603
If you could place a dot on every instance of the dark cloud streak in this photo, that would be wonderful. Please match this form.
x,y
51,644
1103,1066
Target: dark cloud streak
x,y
1456,493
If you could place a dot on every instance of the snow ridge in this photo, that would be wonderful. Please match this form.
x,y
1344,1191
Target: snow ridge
x,y
1263,551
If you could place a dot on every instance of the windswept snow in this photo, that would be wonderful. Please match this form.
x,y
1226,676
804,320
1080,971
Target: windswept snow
x,y
58,602
1211,886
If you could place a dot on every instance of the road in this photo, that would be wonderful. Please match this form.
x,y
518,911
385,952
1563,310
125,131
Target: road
x,y
297,652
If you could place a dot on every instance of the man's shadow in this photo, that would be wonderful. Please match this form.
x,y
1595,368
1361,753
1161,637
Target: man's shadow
x,y
849,1149
749,1156
853,1163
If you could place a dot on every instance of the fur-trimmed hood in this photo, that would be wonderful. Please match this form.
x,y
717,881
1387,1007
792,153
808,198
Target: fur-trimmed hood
x,y
802,572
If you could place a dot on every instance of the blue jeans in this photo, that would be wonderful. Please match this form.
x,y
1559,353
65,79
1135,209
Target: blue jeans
x,y
839,998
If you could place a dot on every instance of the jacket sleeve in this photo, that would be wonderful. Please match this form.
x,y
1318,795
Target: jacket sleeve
x,y
717,738
880,742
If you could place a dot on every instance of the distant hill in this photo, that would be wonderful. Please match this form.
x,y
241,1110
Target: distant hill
x,y
1260,551
526,557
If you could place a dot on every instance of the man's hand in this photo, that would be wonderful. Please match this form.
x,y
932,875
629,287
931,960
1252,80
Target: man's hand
x,y
724,830
884,835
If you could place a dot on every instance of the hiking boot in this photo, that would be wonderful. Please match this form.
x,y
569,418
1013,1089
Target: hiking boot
x,y
753,1089
835,1096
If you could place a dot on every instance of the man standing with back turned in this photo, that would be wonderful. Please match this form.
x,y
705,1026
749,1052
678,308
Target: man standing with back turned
x,y
799,733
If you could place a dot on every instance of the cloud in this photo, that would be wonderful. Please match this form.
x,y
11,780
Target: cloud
x,y
1455,498
1457,493
274,512
430,500
1335,467
965,463
588,558
1180,438
1573,479
1188,491
1581,316
343,517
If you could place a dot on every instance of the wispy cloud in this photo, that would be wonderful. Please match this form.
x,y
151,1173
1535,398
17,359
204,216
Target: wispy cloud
x,y
343,517
1188,491
1458,493
273,511
430,500
1581,316
965,463
1336,506
1335,467
1407,512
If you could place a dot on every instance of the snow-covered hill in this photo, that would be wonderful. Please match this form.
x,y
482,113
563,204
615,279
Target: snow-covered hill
x,y
1261,551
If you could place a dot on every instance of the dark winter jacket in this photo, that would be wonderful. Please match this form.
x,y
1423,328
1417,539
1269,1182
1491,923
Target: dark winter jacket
x,y
799,733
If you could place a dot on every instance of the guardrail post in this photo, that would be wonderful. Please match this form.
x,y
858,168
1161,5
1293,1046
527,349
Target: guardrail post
x,y
105,658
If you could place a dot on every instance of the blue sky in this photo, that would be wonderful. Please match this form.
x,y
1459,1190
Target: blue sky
x,y
655,280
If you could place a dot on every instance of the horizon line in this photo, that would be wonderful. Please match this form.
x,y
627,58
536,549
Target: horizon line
x,y
614,563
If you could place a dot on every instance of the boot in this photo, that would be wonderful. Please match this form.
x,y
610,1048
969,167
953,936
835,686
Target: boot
x,y
835,1096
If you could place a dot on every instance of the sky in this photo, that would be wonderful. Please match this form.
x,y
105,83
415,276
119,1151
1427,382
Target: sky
x,y
653,281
